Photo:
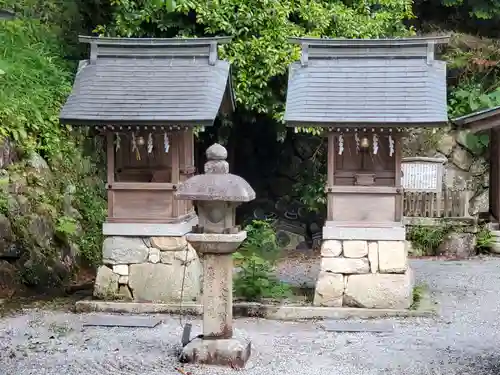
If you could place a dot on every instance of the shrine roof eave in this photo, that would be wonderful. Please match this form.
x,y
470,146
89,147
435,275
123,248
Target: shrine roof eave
x,y
136,125
367,124
479,121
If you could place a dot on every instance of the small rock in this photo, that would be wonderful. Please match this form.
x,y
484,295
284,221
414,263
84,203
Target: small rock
x,y
458,245
121,269
106,283
38,163
154,255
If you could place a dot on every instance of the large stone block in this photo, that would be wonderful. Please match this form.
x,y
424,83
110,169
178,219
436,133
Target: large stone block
x,y
169,243
124,250
187,255
331,248
106,283
329,289
163,282
392,257
345,265
355,249
379,291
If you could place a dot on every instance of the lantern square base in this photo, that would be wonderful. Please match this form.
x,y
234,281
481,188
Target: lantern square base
x,y
224,352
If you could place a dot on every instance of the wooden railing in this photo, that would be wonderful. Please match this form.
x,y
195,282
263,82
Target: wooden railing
x,y
448,203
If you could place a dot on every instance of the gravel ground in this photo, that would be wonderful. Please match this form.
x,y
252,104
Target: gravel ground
x,y
463,340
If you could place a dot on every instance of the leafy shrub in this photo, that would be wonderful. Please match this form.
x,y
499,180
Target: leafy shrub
x,y
484,240
256,258
427,239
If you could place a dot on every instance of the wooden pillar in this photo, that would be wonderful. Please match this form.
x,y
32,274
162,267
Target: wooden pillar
x,y
494,188
330,174
174,149
110,158
397,178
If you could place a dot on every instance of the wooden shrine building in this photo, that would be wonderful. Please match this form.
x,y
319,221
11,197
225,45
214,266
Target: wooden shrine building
x,y
364,94
488,122
146,96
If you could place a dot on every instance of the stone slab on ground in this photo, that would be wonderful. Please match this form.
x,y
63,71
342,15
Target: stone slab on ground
x,y
254,310
355,326
121,321
232,353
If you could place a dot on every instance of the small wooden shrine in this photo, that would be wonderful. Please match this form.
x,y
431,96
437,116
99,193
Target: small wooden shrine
x,y
488,122
365,94
146,96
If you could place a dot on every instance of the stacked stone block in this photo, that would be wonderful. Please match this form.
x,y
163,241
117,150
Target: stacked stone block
x,y
148,269
369,274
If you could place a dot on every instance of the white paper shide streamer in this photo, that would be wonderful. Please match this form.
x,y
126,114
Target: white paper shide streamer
x,y
135,148
166,143
118,140
391,146
356,138
375,144
341,144
150,143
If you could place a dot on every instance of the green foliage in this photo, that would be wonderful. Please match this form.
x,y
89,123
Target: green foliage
x,y
471,97
259,52
66,226
484,240
478,9
476,82
4,203
310,187
261,239
427,239
89,199
417,294
35,82
256,260
33,87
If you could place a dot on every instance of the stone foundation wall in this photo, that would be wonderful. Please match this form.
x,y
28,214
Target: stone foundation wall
x,y
148,269
370,274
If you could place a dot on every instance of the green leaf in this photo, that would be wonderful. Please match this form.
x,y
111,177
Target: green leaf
x,y
170,5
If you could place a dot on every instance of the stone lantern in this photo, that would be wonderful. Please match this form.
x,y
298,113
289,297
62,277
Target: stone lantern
x,y
216,193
